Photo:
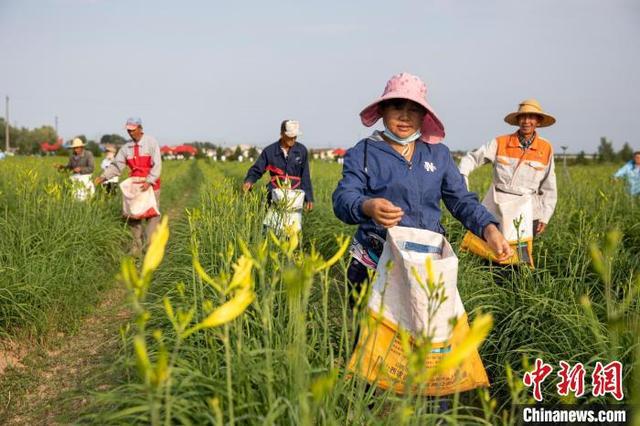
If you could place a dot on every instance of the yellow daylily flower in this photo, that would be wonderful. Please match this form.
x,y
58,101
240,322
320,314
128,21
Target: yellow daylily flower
x,y
142,357
477,334
226,312
344,245
155,253
203,274
242,274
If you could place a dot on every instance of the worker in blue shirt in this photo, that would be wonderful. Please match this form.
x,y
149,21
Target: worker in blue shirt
x,y
631,172
283,159
394,178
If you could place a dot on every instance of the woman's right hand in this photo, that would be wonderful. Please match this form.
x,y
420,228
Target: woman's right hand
x,y
382,211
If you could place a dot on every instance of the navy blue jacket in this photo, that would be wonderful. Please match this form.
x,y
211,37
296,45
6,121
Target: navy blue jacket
x,y
295,164
416,187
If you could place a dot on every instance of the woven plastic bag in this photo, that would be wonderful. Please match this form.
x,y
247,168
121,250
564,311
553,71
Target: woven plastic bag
x,y
515,213
285,210
399,299
136,203
83,188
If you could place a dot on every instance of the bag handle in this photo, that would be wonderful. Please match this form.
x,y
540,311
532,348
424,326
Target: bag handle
x,y
278,181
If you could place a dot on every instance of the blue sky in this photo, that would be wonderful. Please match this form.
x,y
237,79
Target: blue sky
x,y
231,71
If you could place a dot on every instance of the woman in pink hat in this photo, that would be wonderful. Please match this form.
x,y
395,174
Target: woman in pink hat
x,y
399,176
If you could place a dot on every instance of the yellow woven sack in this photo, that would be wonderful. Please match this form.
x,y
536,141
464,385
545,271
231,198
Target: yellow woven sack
x,y
380,359
415,288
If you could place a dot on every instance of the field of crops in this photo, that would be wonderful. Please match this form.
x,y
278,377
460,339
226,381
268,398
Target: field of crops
x,y
276,352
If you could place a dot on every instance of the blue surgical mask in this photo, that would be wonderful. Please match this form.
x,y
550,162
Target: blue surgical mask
x,y
402,141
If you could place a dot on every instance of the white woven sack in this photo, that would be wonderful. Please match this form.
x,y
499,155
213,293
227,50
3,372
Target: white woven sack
x,y
399,297
83,187
136,203
509,207
286,209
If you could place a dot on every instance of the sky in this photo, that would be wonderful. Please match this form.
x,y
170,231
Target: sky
x,y
230,72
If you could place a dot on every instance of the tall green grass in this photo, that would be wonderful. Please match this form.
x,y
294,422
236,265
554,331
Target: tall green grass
x,y
284,360
56,253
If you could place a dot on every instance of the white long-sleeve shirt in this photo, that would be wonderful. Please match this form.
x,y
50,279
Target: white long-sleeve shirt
x,y
519,171
142,157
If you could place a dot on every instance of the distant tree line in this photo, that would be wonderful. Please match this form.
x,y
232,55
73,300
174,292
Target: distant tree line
x,y
27,141
606,153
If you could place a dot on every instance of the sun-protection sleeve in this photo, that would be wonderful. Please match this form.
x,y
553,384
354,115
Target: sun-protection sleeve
x,y
462,204
306,178
257,170
476,158
156,158
548,192
349,194
117,165
622,172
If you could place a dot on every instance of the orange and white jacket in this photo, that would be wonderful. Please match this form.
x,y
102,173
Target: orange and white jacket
x,y
518,171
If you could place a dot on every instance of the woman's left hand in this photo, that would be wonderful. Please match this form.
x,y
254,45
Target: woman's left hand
x,y
497,242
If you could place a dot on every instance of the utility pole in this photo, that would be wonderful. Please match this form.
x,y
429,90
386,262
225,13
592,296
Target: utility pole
x,y
564,161
6,124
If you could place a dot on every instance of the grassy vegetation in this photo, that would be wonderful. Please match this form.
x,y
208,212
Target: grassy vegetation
x,y
77,331
56,253
283,359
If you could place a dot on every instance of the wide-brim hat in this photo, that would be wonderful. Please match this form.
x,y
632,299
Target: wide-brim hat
x,y
530,106
76,143
410,87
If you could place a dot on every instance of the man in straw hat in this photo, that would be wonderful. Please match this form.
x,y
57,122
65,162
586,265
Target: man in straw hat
x,y
142,156
522,162
81,165
81,161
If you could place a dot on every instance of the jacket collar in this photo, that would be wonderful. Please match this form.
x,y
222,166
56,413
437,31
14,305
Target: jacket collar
x,y
292,150
514,142
382,145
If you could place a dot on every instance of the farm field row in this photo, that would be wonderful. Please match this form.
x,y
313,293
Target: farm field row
x,y
283,360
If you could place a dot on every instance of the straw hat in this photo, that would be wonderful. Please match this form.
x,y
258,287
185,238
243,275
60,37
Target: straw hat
x,y
76,143
530,106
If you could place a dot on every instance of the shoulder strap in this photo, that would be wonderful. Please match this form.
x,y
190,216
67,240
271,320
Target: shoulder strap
x,y
366,169
366,146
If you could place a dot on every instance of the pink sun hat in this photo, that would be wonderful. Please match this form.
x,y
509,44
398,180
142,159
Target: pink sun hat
x,y
407,86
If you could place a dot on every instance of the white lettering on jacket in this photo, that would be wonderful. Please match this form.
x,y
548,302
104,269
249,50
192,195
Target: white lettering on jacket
x,y
428,166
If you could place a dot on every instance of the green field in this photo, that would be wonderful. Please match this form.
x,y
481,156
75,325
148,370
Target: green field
x,y
283,359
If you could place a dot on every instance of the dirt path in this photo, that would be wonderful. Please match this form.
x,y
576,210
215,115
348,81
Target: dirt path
x,y
67,363
51,383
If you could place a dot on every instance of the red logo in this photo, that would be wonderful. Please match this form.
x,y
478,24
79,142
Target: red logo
x,y
571,379
608,379
536,377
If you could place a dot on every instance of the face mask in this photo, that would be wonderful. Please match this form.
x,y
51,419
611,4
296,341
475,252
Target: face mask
x,y
402,141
